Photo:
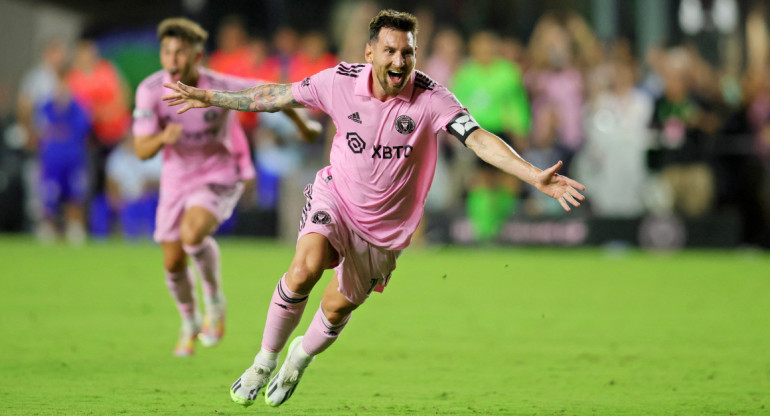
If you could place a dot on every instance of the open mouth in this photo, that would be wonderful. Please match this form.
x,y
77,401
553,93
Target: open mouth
x,y
396,77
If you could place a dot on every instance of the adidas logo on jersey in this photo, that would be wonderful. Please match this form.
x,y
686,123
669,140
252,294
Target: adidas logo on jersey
x,y
355,117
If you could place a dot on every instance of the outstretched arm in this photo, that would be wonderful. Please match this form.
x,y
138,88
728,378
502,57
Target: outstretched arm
x,y
264,98
496,152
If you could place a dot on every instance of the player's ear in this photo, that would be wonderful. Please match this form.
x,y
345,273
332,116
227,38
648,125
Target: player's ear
x,y
368,52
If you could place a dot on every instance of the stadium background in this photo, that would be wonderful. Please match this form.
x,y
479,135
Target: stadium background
x,y
558,314
733,212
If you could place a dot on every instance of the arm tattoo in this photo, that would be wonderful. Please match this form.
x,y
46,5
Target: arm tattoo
x,y
264,98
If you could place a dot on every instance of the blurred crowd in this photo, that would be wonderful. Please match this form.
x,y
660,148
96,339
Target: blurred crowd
x,y
666,131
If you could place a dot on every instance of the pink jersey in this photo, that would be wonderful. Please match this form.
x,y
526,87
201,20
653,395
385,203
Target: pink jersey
x,y
212,148
384,154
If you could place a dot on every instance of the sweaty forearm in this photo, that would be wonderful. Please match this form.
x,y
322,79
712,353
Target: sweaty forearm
x,y
497,153
264,98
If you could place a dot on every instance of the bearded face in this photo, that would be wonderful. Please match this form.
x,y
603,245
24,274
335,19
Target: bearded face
x,y
392,55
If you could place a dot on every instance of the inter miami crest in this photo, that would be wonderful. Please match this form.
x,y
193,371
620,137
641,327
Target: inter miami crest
x,y
321,217
404,124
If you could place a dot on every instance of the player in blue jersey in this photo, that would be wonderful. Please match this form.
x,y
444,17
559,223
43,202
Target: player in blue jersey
x,y
64,127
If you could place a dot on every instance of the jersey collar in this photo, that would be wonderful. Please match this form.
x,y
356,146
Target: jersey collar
x,y
362,85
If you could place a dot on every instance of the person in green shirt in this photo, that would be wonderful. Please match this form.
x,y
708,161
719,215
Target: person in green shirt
x,y
492,88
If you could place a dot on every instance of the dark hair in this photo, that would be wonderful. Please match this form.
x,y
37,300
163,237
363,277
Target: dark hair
x,y
392,19
183,28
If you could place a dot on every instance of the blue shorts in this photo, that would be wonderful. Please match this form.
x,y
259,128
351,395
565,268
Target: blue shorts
x,y
62,182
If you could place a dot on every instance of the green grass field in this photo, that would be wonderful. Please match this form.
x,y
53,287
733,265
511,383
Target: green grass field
x,y
492,331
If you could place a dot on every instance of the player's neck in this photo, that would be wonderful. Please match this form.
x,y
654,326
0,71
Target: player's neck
x,y
192,78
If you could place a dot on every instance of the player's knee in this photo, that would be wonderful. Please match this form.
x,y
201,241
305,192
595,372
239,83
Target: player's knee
x,y
303,276
174,262
336,312
192,233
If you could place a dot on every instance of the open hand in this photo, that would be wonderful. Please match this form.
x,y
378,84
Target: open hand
x,y
564,189
191,97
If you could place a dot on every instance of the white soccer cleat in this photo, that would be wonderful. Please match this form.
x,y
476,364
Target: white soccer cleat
x,y
244,391
213,324
282,386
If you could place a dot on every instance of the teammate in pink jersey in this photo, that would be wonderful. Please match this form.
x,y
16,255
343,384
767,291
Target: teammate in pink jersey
x,y
362,209
205,160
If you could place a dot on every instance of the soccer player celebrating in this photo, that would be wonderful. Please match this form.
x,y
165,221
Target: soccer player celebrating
x,y
362,209
205,159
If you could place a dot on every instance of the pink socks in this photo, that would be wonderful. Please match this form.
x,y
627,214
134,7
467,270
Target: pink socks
x,y
321,333
206,258
182,287
283,316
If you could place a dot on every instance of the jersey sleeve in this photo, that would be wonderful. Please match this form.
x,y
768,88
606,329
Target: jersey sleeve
x,y
146,119
445,107
315,91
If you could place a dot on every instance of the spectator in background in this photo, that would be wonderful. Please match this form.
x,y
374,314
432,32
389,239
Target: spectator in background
x,y
446,56
39,85
655,61
63,127
757,82
235,56
99,89
132,189
514,51
554,79
313,56
543,147
350,22
562,52
587,50
98,86
684,127
264,66
613,161
285,45
755,193
492,89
